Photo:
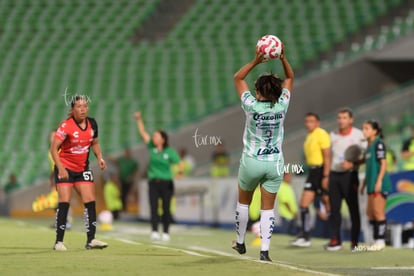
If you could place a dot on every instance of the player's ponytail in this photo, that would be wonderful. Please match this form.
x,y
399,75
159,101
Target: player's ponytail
x,y
269,86
376,126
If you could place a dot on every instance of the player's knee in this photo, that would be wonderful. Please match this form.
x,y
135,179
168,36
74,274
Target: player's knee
x,y
378,215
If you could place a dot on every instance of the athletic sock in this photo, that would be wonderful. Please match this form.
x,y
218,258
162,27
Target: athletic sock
x,y
376,230
242,217
267,223
382,225
61,215
305,218
89,215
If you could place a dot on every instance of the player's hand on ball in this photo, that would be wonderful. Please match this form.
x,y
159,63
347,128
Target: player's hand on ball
x,y
137,116
282,53
259,58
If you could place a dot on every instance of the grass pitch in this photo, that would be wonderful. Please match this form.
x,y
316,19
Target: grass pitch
x,y
26,249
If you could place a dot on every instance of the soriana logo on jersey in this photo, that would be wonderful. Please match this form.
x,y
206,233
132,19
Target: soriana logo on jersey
x,y
79,149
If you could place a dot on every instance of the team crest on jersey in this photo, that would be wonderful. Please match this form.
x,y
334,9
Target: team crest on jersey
x,y
61,133
76,134
285,97
165,156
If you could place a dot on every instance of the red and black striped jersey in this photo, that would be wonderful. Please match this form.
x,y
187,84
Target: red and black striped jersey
x,y
76,143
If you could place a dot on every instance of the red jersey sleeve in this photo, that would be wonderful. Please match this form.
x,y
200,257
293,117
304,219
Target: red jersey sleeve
x,y
62,132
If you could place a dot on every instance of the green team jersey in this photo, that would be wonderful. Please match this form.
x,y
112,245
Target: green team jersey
x,y
375,153
263,131
160,162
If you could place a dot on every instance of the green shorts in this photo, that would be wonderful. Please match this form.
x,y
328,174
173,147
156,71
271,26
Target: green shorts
x,y
253,172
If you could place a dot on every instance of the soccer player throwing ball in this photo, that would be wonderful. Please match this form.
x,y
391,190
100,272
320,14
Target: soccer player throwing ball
x,y
262,159
75,137
377,182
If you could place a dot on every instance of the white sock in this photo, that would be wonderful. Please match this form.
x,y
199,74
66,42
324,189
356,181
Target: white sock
x,y
267,223
242,217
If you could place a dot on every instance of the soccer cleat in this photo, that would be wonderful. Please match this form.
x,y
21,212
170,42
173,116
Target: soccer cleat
x,y
354,246
239,247
378,245
301,242
96,244
59,246
165,237
264,256
333,246
155,236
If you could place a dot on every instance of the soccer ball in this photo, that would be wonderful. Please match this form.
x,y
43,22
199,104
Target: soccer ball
x,y
256,229
270,46
105,217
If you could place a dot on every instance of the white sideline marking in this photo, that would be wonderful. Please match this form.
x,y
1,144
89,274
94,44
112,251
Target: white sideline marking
x,y
393,267
276,263
181,250
217,252
128,241
222,253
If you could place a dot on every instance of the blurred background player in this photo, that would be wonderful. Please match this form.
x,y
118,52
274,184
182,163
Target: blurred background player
x,y
75,137
187,161
128,170
377,182
317,153
287,206
160,176
321,227
112,195
12,184
343,178
221,162
262,158
407,153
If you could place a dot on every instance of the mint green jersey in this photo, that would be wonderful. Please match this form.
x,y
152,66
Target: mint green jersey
x,y
160,162
375,153
263,131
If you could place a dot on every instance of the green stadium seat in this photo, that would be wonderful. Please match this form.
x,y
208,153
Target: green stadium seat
x,y
87,49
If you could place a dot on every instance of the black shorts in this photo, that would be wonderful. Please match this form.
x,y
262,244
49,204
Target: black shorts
x,y
314,181
75,178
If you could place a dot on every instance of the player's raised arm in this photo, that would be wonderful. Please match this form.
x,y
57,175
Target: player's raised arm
x,y
288,83
141,128
239,82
